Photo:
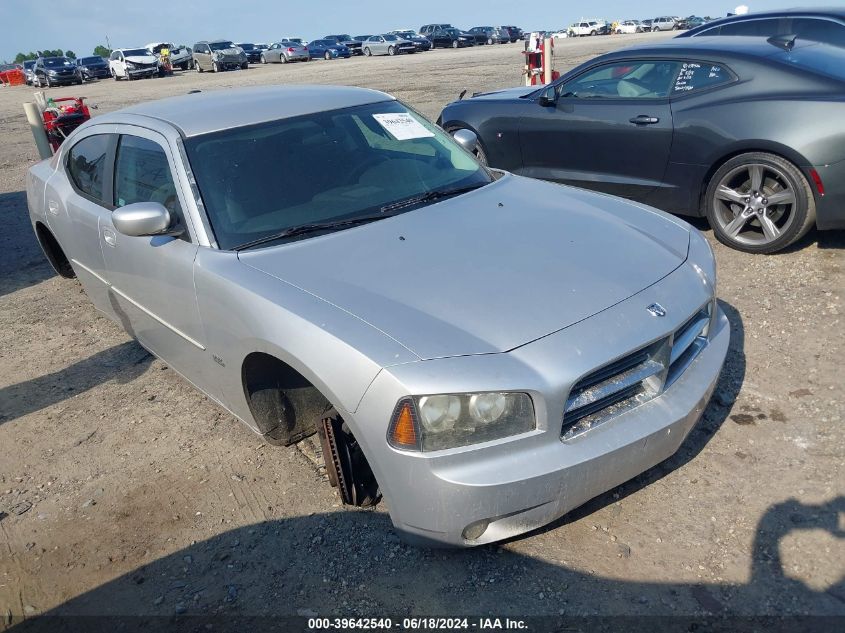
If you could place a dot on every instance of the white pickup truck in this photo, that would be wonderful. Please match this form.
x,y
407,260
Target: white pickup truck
x,y
580,29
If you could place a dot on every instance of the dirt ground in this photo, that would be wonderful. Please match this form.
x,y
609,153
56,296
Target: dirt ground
x,y
123,490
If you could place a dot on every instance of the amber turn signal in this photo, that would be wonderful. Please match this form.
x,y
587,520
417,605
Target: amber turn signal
x,y
403,428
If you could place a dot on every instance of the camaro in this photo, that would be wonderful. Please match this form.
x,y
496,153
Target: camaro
x,y
483,350
745,131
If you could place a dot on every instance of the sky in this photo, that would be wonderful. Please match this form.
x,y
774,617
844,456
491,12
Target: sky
x,y
79,25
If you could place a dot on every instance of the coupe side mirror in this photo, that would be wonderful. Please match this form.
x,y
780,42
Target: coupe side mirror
x,y
466,139
144,218
548,98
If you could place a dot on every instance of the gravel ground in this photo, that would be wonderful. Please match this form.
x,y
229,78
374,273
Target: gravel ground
x,y
123,490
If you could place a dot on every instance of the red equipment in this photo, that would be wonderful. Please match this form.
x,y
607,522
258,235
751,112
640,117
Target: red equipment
x,y
538,60
62,116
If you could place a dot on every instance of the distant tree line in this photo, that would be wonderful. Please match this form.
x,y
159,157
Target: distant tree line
x,y
100,50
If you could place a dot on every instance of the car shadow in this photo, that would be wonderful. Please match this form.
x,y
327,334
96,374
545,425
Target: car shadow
x,y
123,363
21,259
350,564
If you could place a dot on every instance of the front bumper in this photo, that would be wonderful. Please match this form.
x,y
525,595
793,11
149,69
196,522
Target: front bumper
x,y
830,208
65,80
146,71
521,483
297,57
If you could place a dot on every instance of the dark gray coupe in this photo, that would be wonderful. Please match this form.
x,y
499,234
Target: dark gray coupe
x,y
747,131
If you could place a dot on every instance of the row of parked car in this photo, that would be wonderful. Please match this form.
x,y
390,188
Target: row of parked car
x,y
220,55
589,27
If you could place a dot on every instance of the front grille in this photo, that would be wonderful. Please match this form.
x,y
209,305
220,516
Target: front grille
x,y
635,378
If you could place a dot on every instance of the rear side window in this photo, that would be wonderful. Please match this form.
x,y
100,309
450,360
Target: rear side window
x,y
765,28
818,30
86,165
142,174
696,76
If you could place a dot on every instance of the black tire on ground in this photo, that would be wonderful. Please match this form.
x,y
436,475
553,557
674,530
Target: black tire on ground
x,y
327,56
245,66
779,177
455,44
198,66
184,66
391,51
263,59
368,52
215,67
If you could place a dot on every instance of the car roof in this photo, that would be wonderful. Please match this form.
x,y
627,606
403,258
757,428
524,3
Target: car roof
x,y
736,45
819,12
214,110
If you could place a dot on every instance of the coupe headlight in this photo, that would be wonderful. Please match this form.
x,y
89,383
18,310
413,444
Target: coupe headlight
x,y
437,422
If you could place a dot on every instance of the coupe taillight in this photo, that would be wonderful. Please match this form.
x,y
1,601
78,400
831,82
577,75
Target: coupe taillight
x,y
290,50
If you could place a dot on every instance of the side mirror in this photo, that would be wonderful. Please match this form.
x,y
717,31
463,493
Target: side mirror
x,y
548,98
143,218
466,139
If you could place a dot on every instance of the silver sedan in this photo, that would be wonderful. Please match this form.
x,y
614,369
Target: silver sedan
x,y
388,44
483,350
285,52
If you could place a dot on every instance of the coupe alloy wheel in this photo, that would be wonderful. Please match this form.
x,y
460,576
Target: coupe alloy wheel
x,y
754,204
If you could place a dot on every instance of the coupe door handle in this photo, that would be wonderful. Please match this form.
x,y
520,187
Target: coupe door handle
x,y
644,119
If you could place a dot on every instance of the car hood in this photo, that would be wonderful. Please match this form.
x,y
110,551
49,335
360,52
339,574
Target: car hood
x,y
142,59
487,271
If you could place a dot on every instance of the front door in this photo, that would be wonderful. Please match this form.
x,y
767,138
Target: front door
x,y
608,129
152,277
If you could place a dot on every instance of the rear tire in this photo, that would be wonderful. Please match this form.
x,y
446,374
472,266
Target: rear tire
x,y
733,202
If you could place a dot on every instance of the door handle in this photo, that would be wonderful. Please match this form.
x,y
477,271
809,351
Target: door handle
x,y
109,237
644,119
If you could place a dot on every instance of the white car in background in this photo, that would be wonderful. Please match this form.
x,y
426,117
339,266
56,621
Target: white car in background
x,y
584,27
132,63
629,27
559,35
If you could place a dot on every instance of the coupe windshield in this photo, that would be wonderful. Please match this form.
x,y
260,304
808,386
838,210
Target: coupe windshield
x,y
219,46
326,167
390,38
92,60
136,52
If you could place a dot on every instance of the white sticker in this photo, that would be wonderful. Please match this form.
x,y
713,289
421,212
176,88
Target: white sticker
x,y
402,126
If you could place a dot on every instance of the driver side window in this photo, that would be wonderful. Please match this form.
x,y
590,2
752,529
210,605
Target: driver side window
x,y
623,80
142,174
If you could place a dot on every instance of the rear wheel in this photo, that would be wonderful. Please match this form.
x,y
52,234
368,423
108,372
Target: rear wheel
x,y
759,203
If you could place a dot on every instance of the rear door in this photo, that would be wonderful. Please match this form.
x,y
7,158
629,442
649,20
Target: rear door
x,y
609,129
84,193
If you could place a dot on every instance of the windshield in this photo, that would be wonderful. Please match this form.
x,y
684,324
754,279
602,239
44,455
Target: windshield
x,y
92,60
406,34
452,31
330,166
247,47
219,46
56,62
390,38
822,58
136,52
29,63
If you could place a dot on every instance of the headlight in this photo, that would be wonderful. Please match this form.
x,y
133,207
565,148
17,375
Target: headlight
x,y
437,422
52,72
130,65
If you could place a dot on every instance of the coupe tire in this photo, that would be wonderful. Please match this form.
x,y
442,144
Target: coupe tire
x,y
759,203
368,52
391,51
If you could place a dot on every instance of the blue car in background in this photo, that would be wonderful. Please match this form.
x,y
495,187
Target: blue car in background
x,y
327,49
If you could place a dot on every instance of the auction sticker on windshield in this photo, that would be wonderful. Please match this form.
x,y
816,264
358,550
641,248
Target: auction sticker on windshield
x,y
402,126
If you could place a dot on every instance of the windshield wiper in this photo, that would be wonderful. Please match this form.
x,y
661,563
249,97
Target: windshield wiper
x,y
303,229
429,196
